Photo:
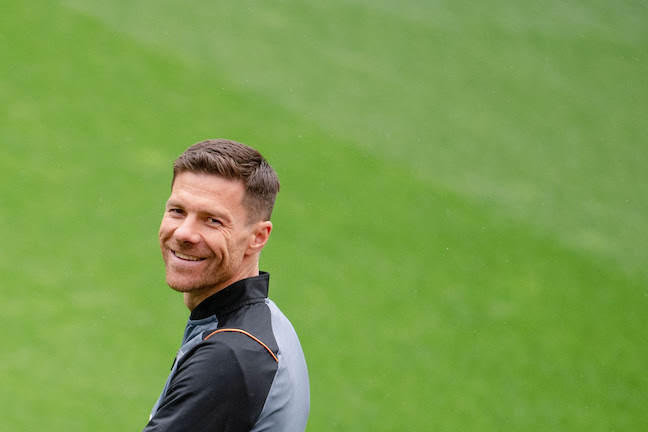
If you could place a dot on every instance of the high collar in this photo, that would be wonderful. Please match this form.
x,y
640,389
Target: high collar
x,y
245,291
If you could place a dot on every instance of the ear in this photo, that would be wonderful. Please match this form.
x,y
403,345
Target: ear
x,y
259,236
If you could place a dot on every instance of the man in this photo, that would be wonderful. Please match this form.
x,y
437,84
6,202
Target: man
x,y
240,366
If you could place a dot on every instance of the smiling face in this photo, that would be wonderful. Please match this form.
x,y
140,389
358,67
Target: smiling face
x,y
206,239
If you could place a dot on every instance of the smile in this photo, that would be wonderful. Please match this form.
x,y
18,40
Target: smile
x,y
187,257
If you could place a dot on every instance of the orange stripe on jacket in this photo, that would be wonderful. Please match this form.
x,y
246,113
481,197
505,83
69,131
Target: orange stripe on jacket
x,y
247,334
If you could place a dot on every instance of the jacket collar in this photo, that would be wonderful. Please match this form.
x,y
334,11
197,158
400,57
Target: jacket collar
x,y
242,292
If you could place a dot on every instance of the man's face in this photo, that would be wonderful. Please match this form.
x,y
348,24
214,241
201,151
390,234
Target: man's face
x,y
204,235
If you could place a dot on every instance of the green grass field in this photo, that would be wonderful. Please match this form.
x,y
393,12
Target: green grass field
x,y
461,236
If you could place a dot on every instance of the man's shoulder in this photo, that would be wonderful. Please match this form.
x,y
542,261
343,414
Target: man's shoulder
x,y
250,322
228,354
239,342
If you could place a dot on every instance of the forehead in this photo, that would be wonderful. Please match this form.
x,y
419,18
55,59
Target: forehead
x,y
205,190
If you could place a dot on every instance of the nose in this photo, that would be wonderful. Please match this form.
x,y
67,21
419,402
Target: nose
x,y
187,232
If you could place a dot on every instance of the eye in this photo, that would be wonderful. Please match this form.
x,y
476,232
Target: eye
x,y
176,211
214,221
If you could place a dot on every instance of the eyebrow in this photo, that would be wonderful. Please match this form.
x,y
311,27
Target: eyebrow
x,y
172,203
211,213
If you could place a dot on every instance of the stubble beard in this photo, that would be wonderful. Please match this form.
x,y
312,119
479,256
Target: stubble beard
x,y
186,281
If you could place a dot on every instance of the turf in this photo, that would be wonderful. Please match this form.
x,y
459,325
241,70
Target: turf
x,y
460,238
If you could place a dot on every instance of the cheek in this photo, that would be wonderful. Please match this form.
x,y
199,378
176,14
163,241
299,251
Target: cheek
x,y
222,246
166,229
240,246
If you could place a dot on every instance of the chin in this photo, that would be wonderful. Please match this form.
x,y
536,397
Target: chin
x,y
183,286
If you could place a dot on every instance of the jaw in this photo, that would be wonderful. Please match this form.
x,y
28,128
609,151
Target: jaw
x,y
198,277
185,274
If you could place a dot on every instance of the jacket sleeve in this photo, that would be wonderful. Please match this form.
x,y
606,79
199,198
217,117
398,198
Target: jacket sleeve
x,y
222,386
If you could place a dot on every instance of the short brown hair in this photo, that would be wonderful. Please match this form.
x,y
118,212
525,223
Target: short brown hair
x,y
232,160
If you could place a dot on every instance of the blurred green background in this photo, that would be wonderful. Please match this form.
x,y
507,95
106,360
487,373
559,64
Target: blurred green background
x,y
460,239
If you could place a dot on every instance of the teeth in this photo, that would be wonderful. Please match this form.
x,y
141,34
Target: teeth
x,y
187,257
